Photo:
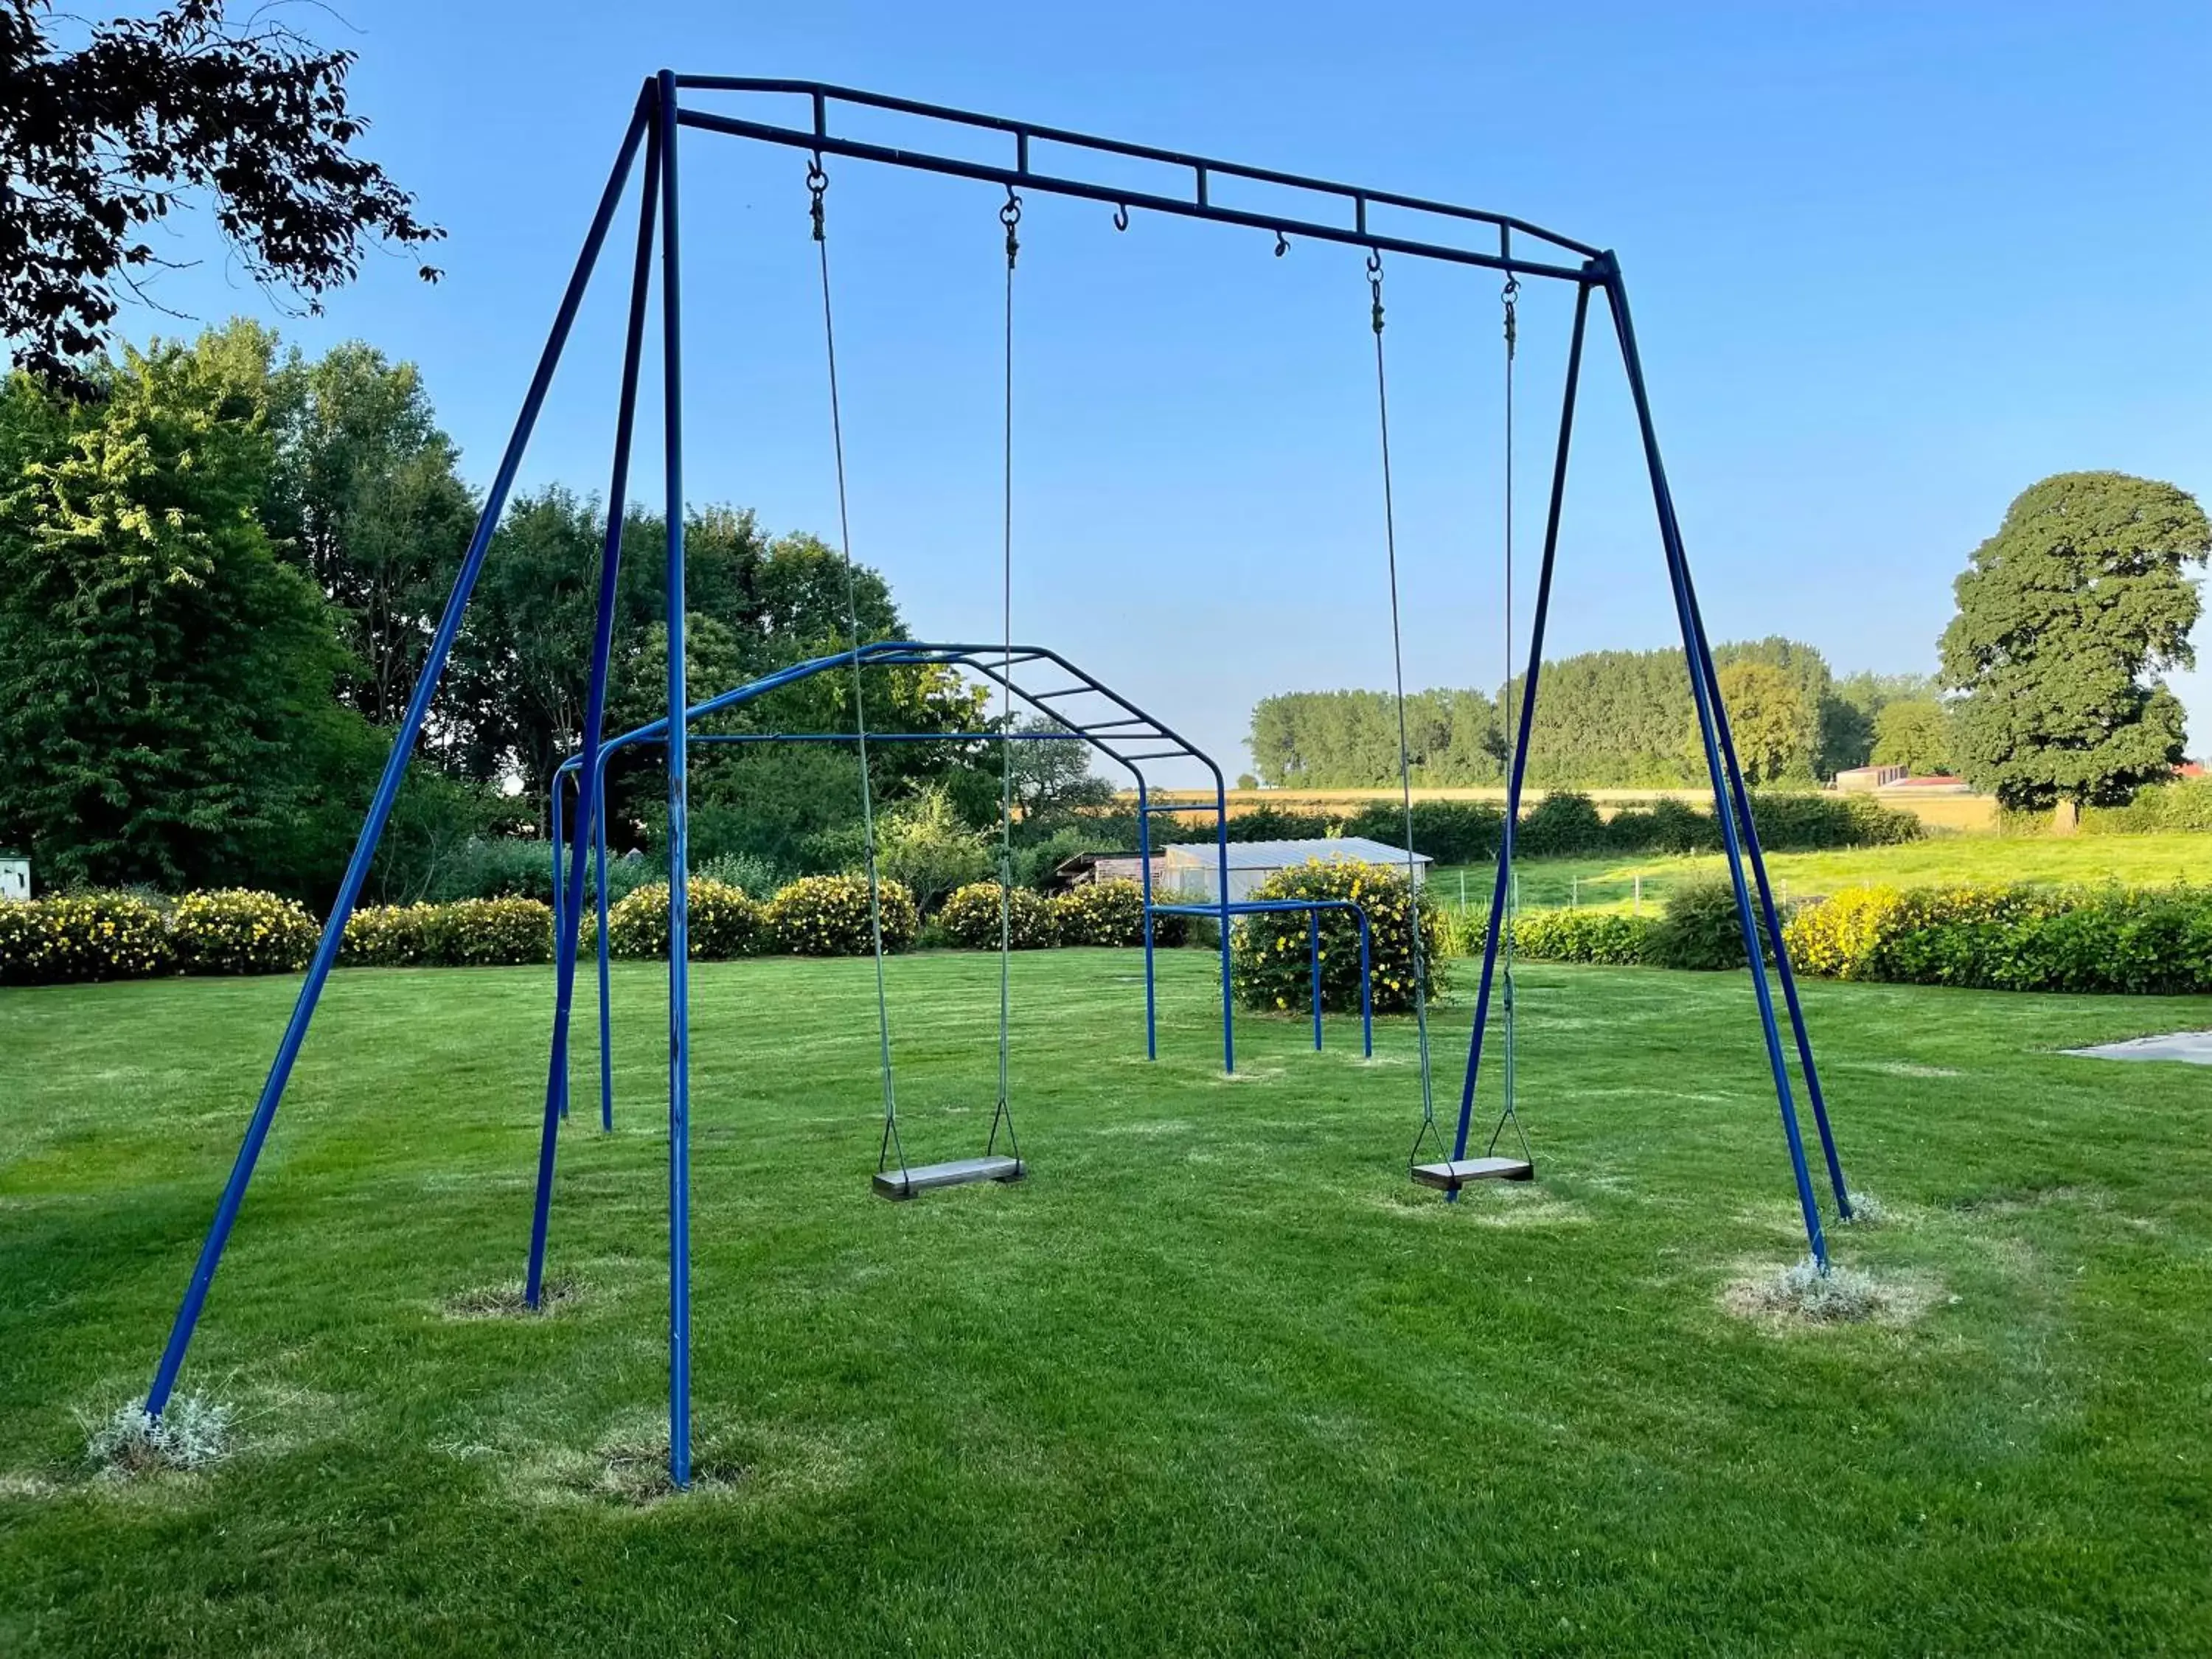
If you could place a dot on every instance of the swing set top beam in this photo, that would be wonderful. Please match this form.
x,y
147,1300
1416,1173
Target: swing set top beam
x,y
817,138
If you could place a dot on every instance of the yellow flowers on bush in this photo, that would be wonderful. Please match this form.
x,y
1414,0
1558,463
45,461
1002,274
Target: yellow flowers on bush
x,y
723,922
82,936
970,918
388,936
828,916
236,931
1271,961
500,933
1105,913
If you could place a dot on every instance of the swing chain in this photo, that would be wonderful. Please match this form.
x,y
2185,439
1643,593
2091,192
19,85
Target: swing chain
x,y
1374,286
818,182
1010,215
1511,293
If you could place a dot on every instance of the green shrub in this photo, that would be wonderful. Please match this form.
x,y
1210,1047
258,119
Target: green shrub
x,y
828,916
970,918
1270,960
1701,928
82,936
1665,825
2185,804
499,933
388,936
1563,824
749,872
1262,823
724,922
495,866
1838,936
1104,913
1803,822
1449,831
1598,937
232,931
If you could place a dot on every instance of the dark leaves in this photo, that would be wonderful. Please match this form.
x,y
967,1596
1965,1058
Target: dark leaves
x,y
103,141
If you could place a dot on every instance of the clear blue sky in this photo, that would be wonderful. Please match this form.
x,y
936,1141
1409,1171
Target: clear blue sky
x,y
1892,262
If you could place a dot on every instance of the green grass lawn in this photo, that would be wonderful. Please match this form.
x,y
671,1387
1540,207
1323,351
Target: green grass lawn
x,y
1219,1379
1610,883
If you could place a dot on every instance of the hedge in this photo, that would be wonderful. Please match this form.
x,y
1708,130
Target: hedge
x,y
828,916
1598,937
232,931
970,918
82,936
1105,913
1270,953
723,922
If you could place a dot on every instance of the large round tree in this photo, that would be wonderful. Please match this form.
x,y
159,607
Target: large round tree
x,y
2066,617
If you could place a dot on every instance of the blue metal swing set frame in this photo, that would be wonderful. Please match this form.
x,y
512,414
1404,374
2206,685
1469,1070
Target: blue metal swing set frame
x,y
1120,731
1517,248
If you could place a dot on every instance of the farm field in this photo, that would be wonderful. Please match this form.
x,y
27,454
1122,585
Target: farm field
x,y
1218,1379
1610,883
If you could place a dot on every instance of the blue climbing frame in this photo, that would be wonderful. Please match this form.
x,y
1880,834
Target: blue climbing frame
x,y
1111,725
1186,190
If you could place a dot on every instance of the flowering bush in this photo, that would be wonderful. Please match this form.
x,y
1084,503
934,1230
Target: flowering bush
x,y
1104,913
723,922
234,931
82,936
498,933
1598,937
388,936
828,916
970,918
1270,964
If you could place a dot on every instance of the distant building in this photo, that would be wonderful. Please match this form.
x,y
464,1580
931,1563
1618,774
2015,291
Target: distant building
x,y
1086,869
1861,779
1193,868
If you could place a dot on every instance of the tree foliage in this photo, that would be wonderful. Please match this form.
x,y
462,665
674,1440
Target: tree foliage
x,y
105,140
2066,617
1915,733
166,683
1618,719
1767,717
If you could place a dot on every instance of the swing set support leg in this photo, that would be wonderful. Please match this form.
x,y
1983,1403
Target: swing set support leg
x,y
1519,773
387,788
1712,728
569,894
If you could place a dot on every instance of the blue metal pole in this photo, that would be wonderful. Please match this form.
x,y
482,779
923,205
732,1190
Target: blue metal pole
x,y
553,829
1221,896
1528,713
602,950
1366,991
1711,719
679,860
1773,915
1145,874
387,788
569,898
1313,948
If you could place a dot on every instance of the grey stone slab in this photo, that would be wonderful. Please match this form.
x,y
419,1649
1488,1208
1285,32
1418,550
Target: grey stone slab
x,y
2194,1048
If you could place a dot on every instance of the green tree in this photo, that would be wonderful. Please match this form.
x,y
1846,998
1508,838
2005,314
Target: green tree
x,y
1053,781
367,500
1915,733
923,843
166,683
2066,617
1766,715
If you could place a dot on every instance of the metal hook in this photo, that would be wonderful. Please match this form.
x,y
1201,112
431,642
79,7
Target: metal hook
x,y
1374,264
1122,216
1282,244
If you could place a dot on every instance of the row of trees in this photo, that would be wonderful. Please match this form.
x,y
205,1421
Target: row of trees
x,y
2049,690
1620,719
221,565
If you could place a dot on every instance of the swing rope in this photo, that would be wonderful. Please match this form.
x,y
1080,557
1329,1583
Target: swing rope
x,y
1010,215
1404,754
1510,296
817,184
